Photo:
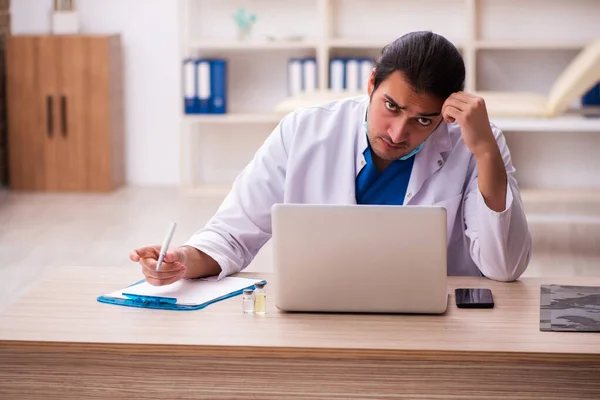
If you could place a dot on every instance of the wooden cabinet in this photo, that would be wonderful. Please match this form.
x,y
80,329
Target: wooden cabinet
x,y
65,113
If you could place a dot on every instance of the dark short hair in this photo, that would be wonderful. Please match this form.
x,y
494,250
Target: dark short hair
x,y
430,63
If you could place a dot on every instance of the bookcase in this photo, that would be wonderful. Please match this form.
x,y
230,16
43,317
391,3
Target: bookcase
x,y
508,45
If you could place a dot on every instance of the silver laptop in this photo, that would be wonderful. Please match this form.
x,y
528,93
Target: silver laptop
x,y
360,258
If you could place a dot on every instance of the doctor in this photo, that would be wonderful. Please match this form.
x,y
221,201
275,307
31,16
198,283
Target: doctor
x,y
417,138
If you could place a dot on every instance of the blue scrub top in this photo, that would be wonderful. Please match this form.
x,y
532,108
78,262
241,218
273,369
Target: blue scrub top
x,y
384,188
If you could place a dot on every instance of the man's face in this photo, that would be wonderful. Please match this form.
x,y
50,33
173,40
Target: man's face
x,y
399,119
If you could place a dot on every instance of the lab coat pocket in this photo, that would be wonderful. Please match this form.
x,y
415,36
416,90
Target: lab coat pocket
x,y
452,206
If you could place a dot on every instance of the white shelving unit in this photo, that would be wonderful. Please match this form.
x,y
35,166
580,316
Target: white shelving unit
x,y
561,124
529,45
251,46
236,118
571,124
507,45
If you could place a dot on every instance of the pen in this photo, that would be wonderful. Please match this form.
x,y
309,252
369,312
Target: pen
x,y
165,245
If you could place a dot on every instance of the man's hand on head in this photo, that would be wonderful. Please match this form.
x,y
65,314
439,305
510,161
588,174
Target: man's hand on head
x,y
470,112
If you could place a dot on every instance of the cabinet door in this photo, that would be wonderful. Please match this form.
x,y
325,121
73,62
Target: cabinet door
x,y
102,147
30,114
47,73
74,107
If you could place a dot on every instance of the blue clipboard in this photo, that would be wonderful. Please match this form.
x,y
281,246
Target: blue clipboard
x,y
165,303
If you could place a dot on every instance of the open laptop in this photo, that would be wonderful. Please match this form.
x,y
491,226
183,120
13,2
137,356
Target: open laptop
x,y
360,258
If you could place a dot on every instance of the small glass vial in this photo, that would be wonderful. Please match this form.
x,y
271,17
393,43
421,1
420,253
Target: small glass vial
x,y
248,301
260,298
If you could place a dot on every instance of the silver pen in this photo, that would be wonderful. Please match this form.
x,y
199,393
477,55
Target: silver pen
x,y
165,245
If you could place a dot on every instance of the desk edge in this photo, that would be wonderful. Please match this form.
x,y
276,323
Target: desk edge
x,y
227,351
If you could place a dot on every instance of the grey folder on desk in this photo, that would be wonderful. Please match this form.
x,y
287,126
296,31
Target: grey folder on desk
x,y
566,308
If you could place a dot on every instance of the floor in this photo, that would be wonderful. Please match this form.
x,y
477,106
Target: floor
x,y
41,231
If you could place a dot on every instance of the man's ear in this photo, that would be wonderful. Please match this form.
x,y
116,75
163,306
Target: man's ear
x,y
371,84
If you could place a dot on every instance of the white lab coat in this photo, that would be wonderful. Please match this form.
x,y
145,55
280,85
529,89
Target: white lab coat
x,y
314,156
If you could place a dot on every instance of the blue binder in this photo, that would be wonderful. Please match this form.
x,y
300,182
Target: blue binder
x,y
295,76
365,68
352,75
218,86
189,86
203,86
133,299
337,74
309,74
592,97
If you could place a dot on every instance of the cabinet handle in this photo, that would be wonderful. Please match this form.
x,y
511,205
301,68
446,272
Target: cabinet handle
x,y
49,116
63,115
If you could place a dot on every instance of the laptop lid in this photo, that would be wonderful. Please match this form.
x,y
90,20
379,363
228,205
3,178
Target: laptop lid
x,y
360,258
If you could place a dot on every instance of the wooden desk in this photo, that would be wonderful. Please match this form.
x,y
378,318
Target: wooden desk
x,y
58,342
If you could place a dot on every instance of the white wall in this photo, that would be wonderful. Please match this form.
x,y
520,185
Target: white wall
x,y
152,83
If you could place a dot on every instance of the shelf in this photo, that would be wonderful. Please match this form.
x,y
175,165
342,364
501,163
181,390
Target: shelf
x,y
357,44
365,44
527,45
572,206
251,45
235,118
567,196
558,124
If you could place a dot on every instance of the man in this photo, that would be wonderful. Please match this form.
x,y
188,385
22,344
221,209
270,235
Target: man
x,y
417,138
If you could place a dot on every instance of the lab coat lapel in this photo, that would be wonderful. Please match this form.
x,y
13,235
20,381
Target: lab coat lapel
x,y
360,145
428,160
359,163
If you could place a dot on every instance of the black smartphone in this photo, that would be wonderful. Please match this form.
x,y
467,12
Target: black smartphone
x,y
474,298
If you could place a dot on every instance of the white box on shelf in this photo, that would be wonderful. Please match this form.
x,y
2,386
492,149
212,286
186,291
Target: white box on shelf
x,y
65,22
